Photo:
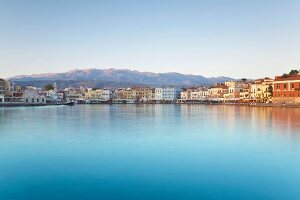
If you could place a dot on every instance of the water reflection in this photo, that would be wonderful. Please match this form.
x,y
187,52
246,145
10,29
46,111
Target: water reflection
x,y
259,119
92,151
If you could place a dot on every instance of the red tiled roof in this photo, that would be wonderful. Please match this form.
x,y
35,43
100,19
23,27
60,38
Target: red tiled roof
x,y
287,78
219,86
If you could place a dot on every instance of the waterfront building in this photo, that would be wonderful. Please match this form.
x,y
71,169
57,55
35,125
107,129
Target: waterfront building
x,y
200,94
153,94
170,93
143,94
217,91
107,94
52,96
98,95
32,96
237,91
158,94
245,94
286,89
74,94
124,95
234,91
93,94
193,95
262,90
3,88
61,95
6,87
8,91
186,94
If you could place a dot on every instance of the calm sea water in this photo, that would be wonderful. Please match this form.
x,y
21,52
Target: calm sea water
x,y
149,152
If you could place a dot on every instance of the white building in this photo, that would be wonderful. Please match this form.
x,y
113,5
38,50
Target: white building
x,y
106,94
32,96
55,87
52,96
158,94
261,89
74,94
200,94
99,94
194,95
170,93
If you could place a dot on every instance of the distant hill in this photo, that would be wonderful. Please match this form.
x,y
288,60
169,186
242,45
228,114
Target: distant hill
x,y
112,78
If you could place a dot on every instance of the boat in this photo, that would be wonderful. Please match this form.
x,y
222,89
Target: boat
x,y
70,103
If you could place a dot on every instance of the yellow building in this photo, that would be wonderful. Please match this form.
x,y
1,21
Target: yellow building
x,y
187,94
6,90
218,91
125,94
261,90
93,94
6,87
143,94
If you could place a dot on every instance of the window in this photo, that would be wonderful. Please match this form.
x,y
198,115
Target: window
x,y
284,86
38,100
32,100
0,100
26,100
293,85
278,86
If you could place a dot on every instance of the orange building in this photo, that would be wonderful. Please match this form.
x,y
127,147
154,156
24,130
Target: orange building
x,y
286,89
288,86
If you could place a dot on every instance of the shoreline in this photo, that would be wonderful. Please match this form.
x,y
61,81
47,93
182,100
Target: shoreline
x,y
226,104
31,104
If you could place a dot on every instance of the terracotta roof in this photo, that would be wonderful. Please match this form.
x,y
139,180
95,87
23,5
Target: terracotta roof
x,y
287,78
263,80
219,86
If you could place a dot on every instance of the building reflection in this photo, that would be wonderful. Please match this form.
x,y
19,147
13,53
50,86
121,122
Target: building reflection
x,y
260,120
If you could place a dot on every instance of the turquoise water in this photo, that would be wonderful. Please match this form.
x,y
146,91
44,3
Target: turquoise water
x,y
149,152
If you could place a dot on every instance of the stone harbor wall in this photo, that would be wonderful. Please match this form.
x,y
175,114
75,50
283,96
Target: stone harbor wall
x,y
286,100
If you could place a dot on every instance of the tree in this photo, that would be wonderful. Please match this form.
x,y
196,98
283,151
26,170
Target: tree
x,y
244,80
293,72
285,75
48,87
270,90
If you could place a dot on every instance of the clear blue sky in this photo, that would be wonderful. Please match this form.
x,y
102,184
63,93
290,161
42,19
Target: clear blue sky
x,y
213,38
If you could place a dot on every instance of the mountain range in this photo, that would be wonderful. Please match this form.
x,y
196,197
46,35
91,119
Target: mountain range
x,y
112,78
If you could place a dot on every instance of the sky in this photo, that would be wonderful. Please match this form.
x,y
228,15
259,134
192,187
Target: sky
x,y
235,38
